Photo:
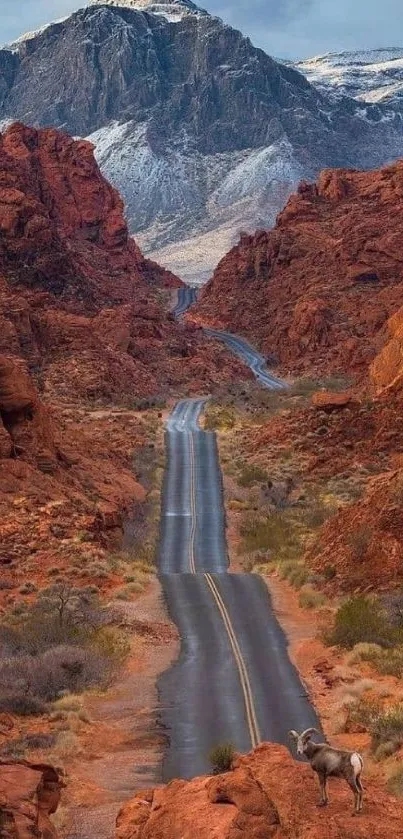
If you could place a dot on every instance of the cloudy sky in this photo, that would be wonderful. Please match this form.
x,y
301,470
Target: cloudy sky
x,y
284,28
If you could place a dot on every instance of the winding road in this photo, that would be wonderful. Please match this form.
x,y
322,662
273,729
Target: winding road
x,y
187,296
233,681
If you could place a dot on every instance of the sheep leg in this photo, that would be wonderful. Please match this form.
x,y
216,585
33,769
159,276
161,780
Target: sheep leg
x,y
324,799
356,787
361,791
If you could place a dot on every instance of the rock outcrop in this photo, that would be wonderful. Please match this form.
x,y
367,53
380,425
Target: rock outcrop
x,y
202,133
79,303
29,795
317,291
267,796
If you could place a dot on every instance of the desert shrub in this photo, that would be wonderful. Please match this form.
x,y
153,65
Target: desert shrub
x,y
387,727
250,474
21,704
329,573
58,669
390,662
360,619
221,757
111,643
310,598
63,644
275,534
28,588
364,652
395,783
29,742
305,387
219,418
298,576
359,541
11,642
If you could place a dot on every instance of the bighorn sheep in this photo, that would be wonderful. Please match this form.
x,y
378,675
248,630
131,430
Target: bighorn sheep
x,y
327,761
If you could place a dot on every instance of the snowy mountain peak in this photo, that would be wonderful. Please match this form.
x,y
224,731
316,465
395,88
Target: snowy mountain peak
x,y
373,76
172,10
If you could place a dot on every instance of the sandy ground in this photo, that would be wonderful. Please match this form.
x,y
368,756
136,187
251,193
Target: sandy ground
x,y
122,751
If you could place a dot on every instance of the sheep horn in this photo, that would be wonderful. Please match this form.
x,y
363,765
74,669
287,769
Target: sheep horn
x,y
308,733
293,734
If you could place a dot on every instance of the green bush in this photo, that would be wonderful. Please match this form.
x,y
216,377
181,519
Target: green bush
x,y
387,727
21,704
395,783
275,534
310,598
221,757
251,474
219,418
298,576
361,619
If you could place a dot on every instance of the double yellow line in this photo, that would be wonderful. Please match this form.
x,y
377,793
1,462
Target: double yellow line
x,y
253,724
193,505
251,716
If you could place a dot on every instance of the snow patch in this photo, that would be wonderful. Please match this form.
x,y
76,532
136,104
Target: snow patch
x,y
29,36
172,10
372,76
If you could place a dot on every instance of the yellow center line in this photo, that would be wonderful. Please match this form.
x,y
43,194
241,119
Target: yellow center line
x,y
253,724
192,540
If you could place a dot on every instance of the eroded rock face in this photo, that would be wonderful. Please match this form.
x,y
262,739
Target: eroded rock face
x,y
25,429
79,303
267,796
29,795
317,291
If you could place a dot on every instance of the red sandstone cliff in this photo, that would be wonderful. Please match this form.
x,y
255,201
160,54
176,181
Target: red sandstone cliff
x,y
78,301
316,292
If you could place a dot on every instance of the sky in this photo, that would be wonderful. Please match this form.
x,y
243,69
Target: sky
x,y
284,28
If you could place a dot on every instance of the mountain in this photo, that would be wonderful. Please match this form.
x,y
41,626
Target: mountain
x,y
203,134
315,292
373,76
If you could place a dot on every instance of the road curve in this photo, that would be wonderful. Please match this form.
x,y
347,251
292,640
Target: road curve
x,y
187,296
233,680
250,356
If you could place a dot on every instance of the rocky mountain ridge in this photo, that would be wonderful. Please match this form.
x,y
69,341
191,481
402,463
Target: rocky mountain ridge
x,y
373,76
203,134
316,292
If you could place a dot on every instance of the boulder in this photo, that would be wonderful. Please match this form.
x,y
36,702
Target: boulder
x,y
29,795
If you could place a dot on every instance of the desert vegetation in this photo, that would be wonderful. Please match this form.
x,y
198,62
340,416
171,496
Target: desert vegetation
x,y
64,643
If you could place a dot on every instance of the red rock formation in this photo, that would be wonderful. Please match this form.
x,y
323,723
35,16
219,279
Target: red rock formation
x,y
317,290
267,796
29,795
78,301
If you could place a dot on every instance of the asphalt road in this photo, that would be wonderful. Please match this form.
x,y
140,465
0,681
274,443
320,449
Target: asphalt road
x,y
250,356
187,296
233,681
192,529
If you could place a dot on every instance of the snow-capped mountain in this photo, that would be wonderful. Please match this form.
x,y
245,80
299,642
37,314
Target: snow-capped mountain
x,y
203,134
374,76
